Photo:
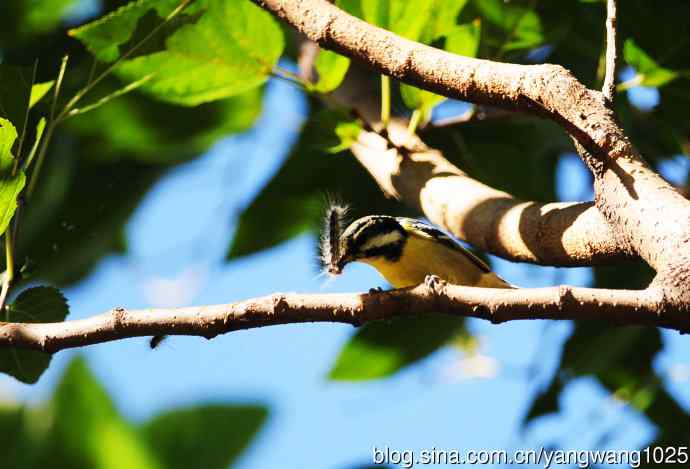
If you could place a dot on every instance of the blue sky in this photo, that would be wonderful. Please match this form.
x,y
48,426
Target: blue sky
x,y
177,240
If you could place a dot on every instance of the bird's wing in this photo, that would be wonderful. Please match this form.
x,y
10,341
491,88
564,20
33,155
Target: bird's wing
x,y
424,230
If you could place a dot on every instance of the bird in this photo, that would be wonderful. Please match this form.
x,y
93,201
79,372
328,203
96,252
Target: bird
x,y
405,251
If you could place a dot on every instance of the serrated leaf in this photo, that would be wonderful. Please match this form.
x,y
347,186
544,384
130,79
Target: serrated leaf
x,y
37,304
230,50
331,69
211,436
10,185
104,36
650,73
38,91
380,349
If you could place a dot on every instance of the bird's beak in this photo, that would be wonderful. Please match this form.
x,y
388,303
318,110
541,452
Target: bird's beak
x,y
337,268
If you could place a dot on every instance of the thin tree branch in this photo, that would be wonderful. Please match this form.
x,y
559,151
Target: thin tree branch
x,y
561,234
609,88
622,307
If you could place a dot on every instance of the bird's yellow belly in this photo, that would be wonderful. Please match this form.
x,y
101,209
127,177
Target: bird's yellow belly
x,y
420,259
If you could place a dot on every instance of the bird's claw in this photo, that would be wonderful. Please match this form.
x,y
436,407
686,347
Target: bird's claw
x,y
373,291
434,283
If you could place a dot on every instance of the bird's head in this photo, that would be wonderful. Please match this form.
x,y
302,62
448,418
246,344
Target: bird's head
x,y
367,239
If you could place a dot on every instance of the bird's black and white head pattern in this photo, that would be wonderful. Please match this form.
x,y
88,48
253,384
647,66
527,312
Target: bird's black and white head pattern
x,y
372,236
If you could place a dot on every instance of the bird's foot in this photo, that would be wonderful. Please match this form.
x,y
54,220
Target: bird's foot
x,y
434,283
373,291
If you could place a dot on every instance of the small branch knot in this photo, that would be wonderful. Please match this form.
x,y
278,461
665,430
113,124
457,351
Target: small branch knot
x,y
118,315
565,296
280,304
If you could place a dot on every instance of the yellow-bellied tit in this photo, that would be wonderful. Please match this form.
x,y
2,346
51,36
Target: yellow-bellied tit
x,y
405,251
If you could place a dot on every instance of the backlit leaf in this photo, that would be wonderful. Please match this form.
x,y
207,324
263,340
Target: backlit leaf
x,y
380,349
230,50
37,304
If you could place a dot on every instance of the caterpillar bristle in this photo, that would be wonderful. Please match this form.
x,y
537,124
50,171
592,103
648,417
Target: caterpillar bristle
x,y
334,225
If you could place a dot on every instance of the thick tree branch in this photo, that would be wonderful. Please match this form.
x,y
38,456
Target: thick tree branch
x,y
609,88
547,90
624,307
561,234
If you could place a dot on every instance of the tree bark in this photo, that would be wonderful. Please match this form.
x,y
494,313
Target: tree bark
x,y
627,307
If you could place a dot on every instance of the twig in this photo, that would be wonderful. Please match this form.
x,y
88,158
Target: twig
x,y
385,100
622,307
8,277
609,88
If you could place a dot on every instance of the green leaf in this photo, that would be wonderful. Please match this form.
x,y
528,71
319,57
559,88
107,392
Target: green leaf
x,y
380,349
211,436
15,94
45,15
37,304
230,50
38,91
333,131
131,126
407,18
353,7
331,69
89,429
462,40
527,164
78,214
10,185
649,72
520,26
104,36
443,18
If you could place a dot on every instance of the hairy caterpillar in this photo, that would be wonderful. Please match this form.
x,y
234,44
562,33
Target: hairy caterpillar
x,y
334,225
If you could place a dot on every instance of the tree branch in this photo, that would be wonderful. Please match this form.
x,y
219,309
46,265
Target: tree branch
x,y
561,234
622,307
547,90
609,88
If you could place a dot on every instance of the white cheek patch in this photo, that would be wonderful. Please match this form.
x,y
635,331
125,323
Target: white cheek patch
x,y
392,237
